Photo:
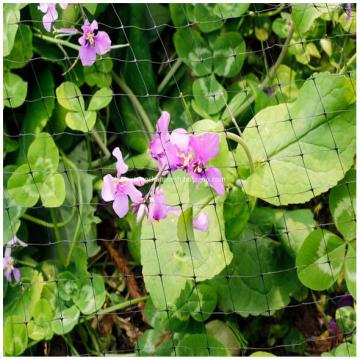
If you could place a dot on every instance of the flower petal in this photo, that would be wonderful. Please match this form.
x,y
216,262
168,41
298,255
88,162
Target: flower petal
x,y
121,205
8,275
108,188
87,55
50,16
201,222
129,188
163,122
94,26
205,147
180,138
121,167
102,43
16,273
215,179
63,5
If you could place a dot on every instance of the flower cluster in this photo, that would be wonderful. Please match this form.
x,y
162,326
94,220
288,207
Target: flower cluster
x,y
92,42
10,270
176,151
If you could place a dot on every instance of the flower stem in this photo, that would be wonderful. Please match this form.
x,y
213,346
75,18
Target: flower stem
x,y
242,143
45,223
267,79
168,76
57,41
101,144
146,121
347,65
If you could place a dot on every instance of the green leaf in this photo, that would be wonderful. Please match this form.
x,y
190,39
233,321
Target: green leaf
x,y
165,252
15,90
237,210
92,294
229,54
15,336
178,14
65,320
69,97
346,319
202,302
11,18
282,176
241,288
292,226
100,99
201,345
281,27
261,354
81,121
205,18
68,286
193,51
342,203
320,259
350,269
230,10
21,52
91,8
209,94
285,77
40,327
304,16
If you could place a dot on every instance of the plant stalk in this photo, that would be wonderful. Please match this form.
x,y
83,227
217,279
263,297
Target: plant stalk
x,y
242,143
169,75
47,224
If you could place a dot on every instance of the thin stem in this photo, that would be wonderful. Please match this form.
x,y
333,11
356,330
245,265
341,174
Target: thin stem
x,y
119,46
268,78
242,143
136,104
57,41
57,234
155,180
169,75
102,146
45,223
270,13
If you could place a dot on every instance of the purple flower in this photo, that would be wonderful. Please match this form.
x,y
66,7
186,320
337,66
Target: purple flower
x,y
118,189
345,300
93,42
170,151
348,11
51,14
158,208
334,328
205,148
201,222
10,269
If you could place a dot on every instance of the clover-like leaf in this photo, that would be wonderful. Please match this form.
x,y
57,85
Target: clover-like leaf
x,y
40,327
320,259
100,99
350,269
65,320
81,121
15,90
206,19
69,96
201,345
15,336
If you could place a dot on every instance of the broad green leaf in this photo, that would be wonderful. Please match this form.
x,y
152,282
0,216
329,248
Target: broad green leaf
x,y
69,97
201,345
350,269
233,105
237,210
81,121
342,203
166,255
65,320
292,226
202,302
229,54
43,153
100,99
91,7
225,11
209,94
91,295
320,259
15,90
304,16
285,77
178,14
193,51
15,336
52,191
346,319
242,289
11,18
300,158
21,52
150,344
205,18
40,327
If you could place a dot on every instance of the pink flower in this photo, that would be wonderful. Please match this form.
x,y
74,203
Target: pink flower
x,y
158,208
118,189
348,11
171,151
51,14
93,42
10,270
201,222
205,148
